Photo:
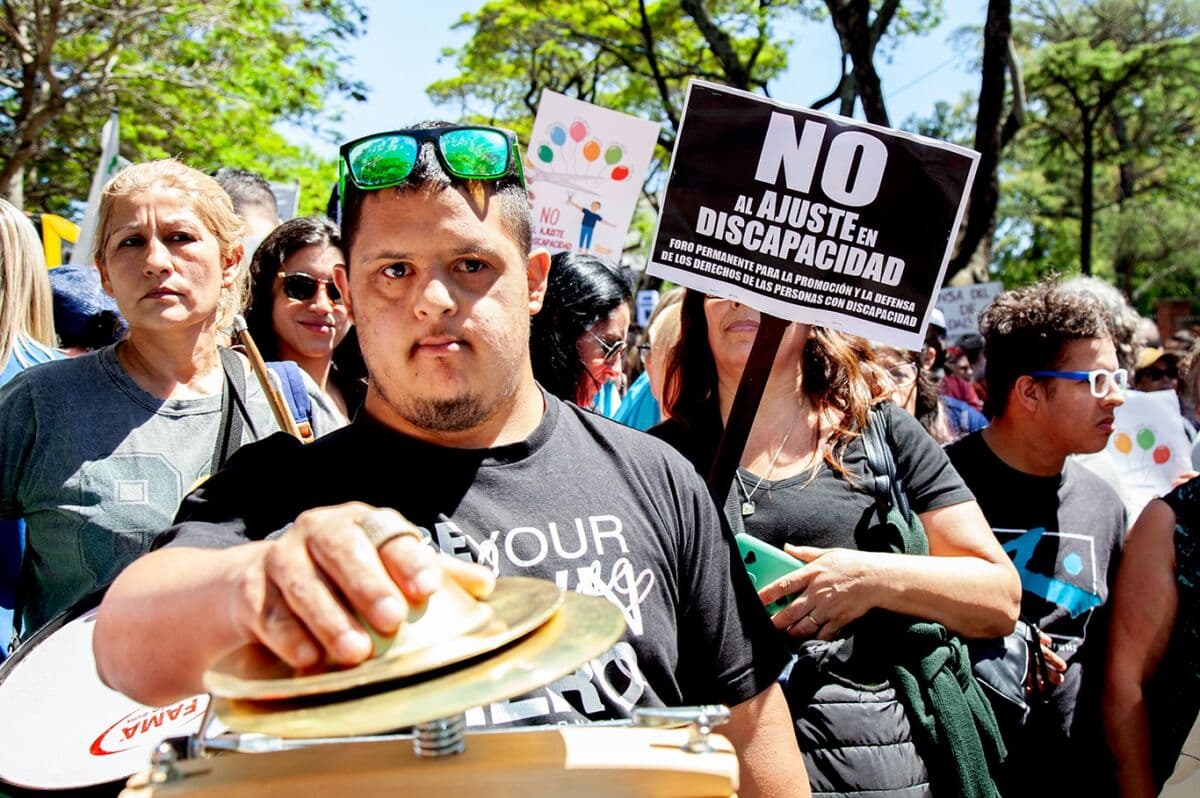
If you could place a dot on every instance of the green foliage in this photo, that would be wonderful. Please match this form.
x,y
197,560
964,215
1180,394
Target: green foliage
x,y
204,81
1114,81
631,56
948,122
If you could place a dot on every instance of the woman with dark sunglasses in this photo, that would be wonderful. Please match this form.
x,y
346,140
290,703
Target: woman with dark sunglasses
x,y
296,312
578,337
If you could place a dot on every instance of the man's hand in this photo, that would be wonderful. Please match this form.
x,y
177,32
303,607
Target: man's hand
x,y
1056,667
300,596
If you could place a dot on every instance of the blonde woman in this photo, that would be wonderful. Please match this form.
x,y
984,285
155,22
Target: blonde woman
x,y
26,338
26,309
97,452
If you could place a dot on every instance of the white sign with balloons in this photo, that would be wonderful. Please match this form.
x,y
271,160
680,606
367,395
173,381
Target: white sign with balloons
x,y
585,169
1149,446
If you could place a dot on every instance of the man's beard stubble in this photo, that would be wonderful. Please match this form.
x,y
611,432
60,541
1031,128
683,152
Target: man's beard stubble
x,y
454,414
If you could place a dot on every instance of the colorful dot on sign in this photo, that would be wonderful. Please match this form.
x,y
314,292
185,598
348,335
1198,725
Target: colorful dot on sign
x,y
1161,455
1123,443
1145,438
1073,563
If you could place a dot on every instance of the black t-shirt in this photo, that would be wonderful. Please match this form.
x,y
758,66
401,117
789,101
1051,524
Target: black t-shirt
x,y
1064,534
596,507
829,511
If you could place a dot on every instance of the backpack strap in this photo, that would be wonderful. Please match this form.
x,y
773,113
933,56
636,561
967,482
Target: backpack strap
x,y
233,397
886,485
296,395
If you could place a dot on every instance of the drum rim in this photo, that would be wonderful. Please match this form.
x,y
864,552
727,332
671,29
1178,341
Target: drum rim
x,y
73,613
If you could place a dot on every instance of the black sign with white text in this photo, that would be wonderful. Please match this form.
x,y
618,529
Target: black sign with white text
x,y
810,217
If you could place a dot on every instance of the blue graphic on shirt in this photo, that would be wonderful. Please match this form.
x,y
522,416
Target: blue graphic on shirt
x,y
1073,599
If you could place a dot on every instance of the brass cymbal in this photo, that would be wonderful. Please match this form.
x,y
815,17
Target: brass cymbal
x,y
583,628
517,606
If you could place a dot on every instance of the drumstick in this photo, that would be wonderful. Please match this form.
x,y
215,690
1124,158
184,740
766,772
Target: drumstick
x,y
279,406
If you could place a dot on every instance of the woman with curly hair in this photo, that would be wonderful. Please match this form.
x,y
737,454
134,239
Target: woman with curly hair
x,y
804,486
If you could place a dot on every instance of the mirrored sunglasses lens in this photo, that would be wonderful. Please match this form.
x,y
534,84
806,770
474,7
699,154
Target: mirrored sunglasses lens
x,y
383,161
300,287
475,153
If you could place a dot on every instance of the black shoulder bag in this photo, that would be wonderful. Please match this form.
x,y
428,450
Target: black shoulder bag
x,y
1002,666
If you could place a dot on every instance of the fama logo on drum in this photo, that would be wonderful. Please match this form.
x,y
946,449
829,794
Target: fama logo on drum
x,y
125,733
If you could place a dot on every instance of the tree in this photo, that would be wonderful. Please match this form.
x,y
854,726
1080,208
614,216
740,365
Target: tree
x,y
999,114
1113,83
861,26
637,56
201,79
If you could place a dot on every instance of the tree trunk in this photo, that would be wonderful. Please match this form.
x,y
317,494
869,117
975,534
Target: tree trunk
x,y
12,184
1123,260
851,20
989,141
1087,195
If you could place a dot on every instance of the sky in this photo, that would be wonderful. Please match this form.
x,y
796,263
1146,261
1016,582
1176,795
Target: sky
x,y
400,55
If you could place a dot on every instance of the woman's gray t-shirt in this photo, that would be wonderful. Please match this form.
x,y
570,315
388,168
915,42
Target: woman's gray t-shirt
x,y
97,467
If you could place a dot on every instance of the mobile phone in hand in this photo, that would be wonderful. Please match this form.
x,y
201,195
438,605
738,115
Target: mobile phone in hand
x,y
766,563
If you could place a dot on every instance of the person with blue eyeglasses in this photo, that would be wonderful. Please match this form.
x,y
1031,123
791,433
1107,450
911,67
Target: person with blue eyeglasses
x,y
1054,384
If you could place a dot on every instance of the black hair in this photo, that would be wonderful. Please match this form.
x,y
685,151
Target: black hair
x,y
1026,330
428,173
284,241
580,291
247,190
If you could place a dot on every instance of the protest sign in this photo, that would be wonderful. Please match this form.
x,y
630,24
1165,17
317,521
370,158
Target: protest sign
x,y
111,162
810,217
1149,447
584,170
287,199
961,305
647,301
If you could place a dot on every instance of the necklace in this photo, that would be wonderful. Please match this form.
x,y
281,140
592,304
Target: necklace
x,y
748,505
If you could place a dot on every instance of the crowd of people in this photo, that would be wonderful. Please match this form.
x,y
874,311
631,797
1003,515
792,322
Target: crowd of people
x,y
934,502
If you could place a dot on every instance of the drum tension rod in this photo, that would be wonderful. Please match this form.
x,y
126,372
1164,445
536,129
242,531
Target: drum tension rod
x,y
700,721
443,737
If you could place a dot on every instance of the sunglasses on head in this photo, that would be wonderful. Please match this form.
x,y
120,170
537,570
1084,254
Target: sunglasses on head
x,y
467,152
303,287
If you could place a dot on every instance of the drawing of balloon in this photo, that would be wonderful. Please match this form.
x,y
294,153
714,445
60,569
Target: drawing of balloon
x,y
1161,455
574,154
1145,438
1123,443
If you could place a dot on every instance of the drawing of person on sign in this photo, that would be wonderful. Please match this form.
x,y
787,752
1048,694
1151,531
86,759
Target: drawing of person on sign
x,y
592,217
